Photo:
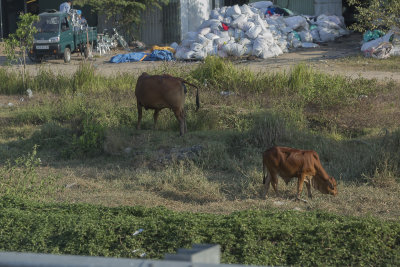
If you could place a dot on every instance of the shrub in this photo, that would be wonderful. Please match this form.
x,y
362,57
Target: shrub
x,y
267,237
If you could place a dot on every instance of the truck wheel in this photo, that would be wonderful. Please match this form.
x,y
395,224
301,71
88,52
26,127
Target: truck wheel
x,y
87,52
67,55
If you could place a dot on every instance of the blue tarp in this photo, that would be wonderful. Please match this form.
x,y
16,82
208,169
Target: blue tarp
x,y
156,55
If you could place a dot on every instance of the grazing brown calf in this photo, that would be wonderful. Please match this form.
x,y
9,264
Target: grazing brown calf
x,y
163,91
289,163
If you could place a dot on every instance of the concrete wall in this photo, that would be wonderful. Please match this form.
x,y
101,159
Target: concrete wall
x,y
193,13
328,7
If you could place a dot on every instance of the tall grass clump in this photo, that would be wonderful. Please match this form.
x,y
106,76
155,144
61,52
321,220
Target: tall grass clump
x,y
268,129
221,74
10,82
84,78
48,81
320,89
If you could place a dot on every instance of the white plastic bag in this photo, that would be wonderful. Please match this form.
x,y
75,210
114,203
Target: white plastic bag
x,y
196,47
376,42
327,34
239,22
245,9
254,31
315,35
383,50
201,39
309,45
211,36
239,34
237,50
221,41
227,20
247,25
214,14
204,31
245,41
233,10
306,36
296,23
187,42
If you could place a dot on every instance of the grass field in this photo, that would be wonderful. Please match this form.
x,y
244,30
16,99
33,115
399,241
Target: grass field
x,y
75,141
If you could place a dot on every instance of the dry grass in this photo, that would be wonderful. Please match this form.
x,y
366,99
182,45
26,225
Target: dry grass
x,y
367,64
94,187
227,174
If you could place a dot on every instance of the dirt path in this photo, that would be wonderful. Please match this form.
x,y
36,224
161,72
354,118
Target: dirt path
x,y
326,58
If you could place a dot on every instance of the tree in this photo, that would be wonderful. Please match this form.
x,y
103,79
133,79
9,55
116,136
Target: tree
x,y
376,14
126,12
17,44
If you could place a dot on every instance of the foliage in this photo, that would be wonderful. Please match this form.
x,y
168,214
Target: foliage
x,y
247,237
376,14
127,13
17,44
21,178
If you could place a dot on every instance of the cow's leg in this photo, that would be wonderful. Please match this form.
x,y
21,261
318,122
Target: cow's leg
x,y
140,109
179,116
300,182
308,184
155,116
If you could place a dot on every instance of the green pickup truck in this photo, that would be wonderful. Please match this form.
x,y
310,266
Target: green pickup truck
x,y
57,36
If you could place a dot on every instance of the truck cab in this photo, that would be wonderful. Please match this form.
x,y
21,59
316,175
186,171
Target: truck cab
x,y
57,37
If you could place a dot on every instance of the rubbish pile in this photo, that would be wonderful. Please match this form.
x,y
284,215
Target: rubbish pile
x,y
259,29
377,46
78,22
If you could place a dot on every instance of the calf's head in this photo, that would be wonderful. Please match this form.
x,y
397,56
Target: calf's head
x,y
326,186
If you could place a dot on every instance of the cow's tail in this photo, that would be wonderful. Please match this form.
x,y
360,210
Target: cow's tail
x,y
197,94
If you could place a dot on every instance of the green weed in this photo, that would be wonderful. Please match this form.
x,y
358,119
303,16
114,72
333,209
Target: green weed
x,y
264,237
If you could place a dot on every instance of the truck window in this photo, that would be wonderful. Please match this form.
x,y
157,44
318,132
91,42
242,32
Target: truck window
x,y
64,25
48,24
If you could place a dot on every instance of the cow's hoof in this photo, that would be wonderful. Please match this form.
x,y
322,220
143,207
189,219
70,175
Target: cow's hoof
x,y
303,200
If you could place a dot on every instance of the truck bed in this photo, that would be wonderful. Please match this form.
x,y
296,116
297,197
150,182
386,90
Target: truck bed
x,y
81,36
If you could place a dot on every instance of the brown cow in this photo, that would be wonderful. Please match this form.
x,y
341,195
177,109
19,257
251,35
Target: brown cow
x,y
289,163
163,91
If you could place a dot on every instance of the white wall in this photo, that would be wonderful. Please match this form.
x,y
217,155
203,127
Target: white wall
x,y
193,13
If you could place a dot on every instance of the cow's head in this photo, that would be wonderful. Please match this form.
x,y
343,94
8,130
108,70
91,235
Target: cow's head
x,y
326,186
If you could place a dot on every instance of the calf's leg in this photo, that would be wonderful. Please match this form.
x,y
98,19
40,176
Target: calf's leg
x,y
300,182
308,184
266,181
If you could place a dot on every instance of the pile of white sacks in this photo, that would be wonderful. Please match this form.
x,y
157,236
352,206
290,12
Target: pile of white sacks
x,y
252,33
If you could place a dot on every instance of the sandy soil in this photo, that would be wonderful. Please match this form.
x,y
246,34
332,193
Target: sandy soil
x,y
325,58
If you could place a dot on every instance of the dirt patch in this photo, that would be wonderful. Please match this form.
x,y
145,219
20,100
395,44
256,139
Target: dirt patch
x,y
326,58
